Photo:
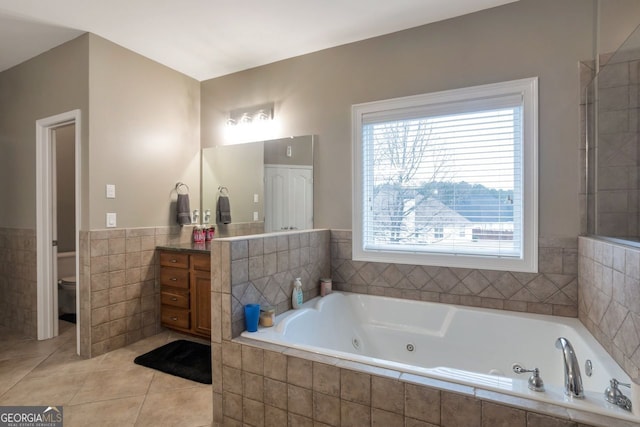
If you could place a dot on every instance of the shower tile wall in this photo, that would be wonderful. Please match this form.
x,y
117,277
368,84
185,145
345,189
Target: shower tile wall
x,y
123,297
618,165
609,303
18,281
554,290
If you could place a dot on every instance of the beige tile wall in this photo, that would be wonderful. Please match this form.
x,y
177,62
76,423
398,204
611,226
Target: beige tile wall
x,y
18,280
554,290
609,306
263,269
239,229
617,168
268,385
123,295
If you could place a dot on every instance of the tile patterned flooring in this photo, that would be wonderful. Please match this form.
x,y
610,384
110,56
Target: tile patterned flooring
x,y
108,390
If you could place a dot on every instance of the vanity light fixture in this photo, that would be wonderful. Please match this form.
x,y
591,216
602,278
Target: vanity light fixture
x,y
256,114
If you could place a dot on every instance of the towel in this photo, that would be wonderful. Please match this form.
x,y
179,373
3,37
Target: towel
x,y
183,210
223,210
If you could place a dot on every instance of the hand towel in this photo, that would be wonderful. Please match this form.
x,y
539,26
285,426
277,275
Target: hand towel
x,y
183,210
223,210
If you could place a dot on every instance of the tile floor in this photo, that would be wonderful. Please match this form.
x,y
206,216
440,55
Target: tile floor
x,y
108,390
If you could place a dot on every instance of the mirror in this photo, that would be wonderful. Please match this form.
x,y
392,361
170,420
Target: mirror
x,y
269,185
613,136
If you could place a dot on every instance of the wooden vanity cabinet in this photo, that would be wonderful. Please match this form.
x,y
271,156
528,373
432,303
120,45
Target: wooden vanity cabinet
x,y
185,280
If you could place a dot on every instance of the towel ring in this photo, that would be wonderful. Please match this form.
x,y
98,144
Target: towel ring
x,y
181,186
224,191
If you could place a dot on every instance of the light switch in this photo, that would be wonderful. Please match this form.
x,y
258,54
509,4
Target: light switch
x,y
256,198
255,216
111,191
111,219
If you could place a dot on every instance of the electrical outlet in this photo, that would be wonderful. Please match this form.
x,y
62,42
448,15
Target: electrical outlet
x,y
255,216
111,219
256,198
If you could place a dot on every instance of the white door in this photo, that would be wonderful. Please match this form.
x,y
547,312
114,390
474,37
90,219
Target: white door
x,y
300,198
46,220
288,198
275,198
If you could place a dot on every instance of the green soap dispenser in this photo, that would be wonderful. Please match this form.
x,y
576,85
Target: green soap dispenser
x,y
296,295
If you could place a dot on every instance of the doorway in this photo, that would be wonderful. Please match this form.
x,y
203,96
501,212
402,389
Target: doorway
x,y
57,214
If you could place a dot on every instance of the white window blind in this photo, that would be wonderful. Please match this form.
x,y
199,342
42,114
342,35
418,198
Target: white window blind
x,y
447,176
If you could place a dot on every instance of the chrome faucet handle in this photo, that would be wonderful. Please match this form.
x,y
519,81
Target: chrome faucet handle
x,y
535,382
612,394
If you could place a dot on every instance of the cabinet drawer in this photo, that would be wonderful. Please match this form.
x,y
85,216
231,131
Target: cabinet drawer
x,y
175,277
174,259
175,298
175,317
201,262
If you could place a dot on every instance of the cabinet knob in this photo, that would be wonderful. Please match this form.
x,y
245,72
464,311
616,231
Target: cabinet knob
x,y
175,319
174,260
174,299
173,279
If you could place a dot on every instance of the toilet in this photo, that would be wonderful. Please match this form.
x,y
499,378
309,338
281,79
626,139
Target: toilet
x,y
67,282
67,294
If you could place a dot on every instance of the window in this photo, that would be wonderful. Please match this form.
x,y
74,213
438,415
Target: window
x,y
448,178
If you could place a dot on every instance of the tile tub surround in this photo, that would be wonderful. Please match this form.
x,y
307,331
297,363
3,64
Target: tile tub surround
x,y
609,303
261,384
554,290
18,281
269,385
120,298
261,269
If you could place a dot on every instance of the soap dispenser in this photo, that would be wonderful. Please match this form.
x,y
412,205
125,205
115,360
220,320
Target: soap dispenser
x,y
296,295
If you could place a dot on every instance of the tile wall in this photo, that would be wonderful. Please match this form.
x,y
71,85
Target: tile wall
x,y
609,303
18,280
618,187
120,296
260,384
239,229
263,269
554,290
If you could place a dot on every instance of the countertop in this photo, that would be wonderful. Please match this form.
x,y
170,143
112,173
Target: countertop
x,y
187,247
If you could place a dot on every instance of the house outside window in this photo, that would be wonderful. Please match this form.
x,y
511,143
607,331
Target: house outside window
x,y
448,178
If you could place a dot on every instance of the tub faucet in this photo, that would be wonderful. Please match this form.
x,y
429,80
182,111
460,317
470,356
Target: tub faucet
x,y
572,378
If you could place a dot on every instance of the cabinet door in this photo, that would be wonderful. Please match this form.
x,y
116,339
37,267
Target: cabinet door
x,y
201,302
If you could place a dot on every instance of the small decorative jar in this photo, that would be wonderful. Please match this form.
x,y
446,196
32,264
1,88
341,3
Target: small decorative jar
x,y
325,286
267,316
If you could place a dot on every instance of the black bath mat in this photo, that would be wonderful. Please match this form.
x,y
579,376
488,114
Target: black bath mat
x,y
182,358
68,317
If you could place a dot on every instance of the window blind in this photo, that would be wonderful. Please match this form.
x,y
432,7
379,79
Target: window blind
x,y
444,179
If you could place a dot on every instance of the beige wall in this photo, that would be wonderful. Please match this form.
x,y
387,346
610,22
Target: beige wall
x,y
240,168
618,18
49,84
145,137
314,93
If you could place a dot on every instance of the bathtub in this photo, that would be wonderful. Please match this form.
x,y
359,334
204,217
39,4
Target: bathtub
x,y
471,346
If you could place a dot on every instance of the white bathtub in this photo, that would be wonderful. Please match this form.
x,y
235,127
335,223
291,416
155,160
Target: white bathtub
x,y
471,346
